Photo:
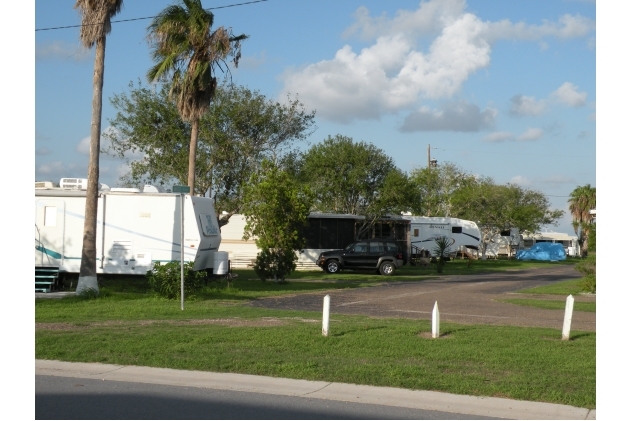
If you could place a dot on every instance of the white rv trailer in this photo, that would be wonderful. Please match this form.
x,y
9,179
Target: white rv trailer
x,y
425,230
134,229
505,243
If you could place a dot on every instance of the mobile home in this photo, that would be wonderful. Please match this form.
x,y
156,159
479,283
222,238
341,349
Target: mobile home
x,y
134,229
424,231
324,232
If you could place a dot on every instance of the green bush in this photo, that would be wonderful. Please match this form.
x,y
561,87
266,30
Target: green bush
x,y
588,268
166,281
275,264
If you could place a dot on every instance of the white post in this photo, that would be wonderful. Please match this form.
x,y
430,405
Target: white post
x,y
435,321
567,320
182,248
325,316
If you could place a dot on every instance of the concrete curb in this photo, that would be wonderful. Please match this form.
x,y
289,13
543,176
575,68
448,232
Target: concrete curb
x,y
415,399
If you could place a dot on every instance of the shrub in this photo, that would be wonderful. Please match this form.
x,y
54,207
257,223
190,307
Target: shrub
x,y
275,264
588,268
165,279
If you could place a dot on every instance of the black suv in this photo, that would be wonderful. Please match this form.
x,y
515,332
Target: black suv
x,y
382,255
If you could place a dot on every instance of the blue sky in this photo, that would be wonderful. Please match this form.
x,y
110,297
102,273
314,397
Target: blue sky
x,y
501,89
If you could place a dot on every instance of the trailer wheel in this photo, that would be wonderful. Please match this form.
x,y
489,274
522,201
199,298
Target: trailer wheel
x,y
387,268
333,266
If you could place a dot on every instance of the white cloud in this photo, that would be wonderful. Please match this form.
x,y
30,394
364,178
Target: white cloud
x,y
59,50
498,137
457,116
530,135
568,94
526,105
520,180
56,170
393,74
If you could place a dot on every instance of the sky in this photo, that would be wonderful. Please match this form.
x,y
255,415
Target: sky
x,y
501,89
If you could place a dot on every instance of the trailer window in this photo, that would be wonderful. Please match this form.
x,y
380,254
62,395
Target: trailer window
x,y
50,216
456,230
416,232
505,233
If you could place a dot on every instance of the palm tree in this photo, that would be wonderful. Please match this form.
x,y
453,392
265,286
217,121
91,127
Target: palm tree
x,y
582,200
95,25
185,48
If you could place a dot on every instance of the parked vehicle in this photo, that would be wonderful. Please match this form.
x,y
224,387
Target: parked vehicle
x,y
385,256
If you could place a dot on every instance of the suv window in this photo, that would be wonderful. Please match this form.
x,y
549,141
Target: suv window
x,y
392,247
361,247
376,247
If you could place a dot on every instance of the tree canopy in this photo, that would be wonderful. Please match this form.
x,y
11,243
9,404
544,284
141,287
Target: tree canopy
x,y
356,178
582,200
239,130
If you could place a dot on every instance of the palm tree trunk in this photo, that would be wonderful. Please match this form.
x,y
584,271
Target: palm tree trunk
x,y
87,271
191,155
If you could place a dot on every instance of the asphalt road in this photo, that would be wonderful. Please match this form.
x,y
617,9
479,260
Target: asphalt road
x,y
79,398
468,299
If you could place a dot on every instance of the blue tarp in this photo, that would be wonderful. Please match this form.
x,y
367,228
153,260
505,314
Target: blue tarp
x,y
543,251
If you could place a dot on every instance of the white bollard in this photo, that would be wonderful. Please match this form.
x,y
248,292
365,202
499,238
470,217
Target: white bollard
x,y
325,316
567,320
435,321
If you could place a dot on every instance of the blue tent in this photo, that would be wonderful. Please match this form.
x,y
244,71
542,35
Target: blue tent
x,y
543,251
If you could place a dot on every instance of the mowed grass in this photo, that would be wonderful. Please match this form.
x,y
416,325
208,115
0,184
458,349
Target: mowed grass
x,y
520,363
551,304
566,288
218,331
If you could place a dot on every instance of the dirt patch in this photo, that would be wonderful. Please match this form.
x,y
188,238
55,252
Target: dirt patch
x,y
231,322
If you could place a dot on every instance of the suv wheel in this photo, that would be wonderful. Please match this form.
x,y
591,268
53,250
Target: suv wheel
x,y
333,266
387,268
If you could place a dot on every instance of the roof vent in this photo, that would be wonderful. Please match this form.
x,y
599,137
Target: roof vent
x,y
44,185
74,183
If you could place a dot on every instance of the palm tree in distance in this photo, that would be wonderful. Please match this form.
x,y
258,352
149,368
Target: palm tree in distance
x,y
96,18
582,200
185,48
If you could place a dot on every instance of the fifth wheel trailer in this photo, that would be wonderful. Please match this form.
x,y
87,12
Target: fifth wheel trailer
x,y
134,229
425,230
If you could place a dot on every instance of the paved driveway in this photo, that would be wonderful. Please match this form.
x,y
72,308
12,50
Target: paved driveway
x,y
468,299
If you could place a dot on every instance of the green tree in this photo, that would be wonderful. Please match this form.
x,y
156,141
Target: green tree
x,y
240,129
95,25
498,207
276,212
356,178
185,49
582,200
437,186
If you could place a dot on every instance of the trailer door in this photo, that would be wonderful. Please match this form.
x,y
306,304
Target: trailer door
x,y
49,232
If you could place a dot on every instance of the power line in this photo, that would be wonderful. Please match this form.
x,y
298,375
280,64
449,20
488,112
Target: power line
x,y
150,17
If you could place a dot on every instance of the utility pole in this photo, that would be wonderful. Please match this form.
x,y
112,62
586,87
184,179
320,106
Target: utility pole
x,y
428,157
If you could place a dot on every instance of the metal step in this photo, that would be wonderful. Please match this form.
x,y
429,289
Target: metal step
x,y
45,278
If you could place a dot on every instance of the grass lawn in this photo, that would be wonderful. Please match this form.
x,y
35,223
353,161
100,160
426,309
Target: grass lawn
x,y
217,332
551,304
565,288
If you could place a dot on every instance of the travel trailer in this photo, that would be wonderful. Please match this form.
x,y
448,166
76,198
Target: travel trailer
x,y
134,228
505,243
424,231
